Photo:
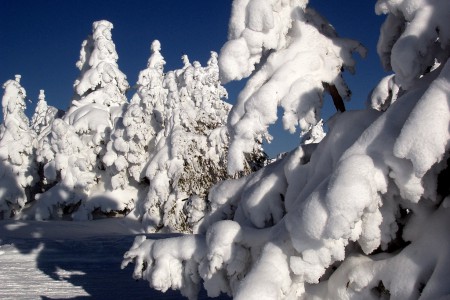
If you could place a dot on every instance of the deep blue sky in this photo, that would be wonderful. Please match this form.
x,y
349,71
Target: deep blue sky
x,y
41,40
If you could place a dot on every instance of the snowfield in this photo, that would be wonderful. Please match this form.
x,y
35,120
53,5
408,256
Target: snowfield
x,y
71,260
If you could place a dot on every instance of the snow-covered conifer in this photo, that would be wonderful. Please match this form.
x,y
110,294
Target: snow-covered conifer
x,y
131,140
98,101
362,215
18,168
101,86
38,120
190,150
43,116
68,167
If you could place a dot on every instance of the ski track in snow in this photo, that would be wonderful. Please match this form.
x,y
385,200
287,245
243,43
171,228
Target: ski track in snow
x,y
81,266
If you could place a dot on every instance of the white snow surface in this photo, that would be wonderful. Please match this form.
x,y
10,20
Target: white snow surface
x,y
67,260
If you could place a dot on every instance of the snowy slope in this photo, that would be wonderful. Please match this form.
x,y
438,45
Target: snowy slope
x,y
61,260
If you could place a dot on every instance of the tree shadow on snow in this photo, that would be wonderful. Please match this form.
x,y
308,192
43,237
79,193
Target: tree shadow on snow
x,y
93,263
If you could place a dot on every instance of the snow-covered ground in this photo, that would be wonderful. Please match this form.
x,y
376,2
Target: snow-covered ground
x,y
70,260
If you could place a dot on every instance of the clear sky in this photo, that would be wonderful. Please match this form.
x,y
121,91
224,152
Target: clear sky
x,y
41,39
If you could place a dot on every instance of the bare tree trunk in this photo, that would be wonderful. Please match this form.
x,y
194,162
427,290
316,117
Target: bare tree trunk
x,y
337,99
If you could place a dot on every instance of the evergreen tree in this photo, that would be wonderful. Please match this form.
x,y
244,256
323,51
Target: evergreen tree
x,y
98,101
38,121
190,151
18,168
100,90
67,168
303,59
43,116
131,142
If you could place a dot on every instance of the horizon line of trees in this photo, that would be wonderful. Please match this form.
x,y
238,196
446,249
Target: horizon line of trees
x,y
155,155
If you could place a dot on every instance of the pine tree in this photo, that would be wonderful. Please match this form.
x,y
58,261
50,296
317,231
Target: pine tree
x,y
67,167
38,121
18,168
132,139
44,116
100,89
98,101
190,151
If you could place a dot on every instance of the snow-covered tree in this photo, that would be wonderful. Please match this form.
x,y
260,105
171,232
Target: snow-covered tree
x,y
189,153
43,116
98,101
100,89
38,120
67,165
362,215
18,168
171,142
131,140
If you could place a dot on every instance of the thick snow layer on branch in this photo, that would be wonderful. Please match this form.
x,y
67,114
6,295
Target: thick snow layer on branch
x,y
306,212
414,38
384,94
422,266
426,144
298,53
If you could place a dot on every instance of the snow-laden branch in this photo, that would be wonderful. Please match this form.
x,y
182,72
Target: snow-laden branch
x,y
364,214
414,38
295,56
